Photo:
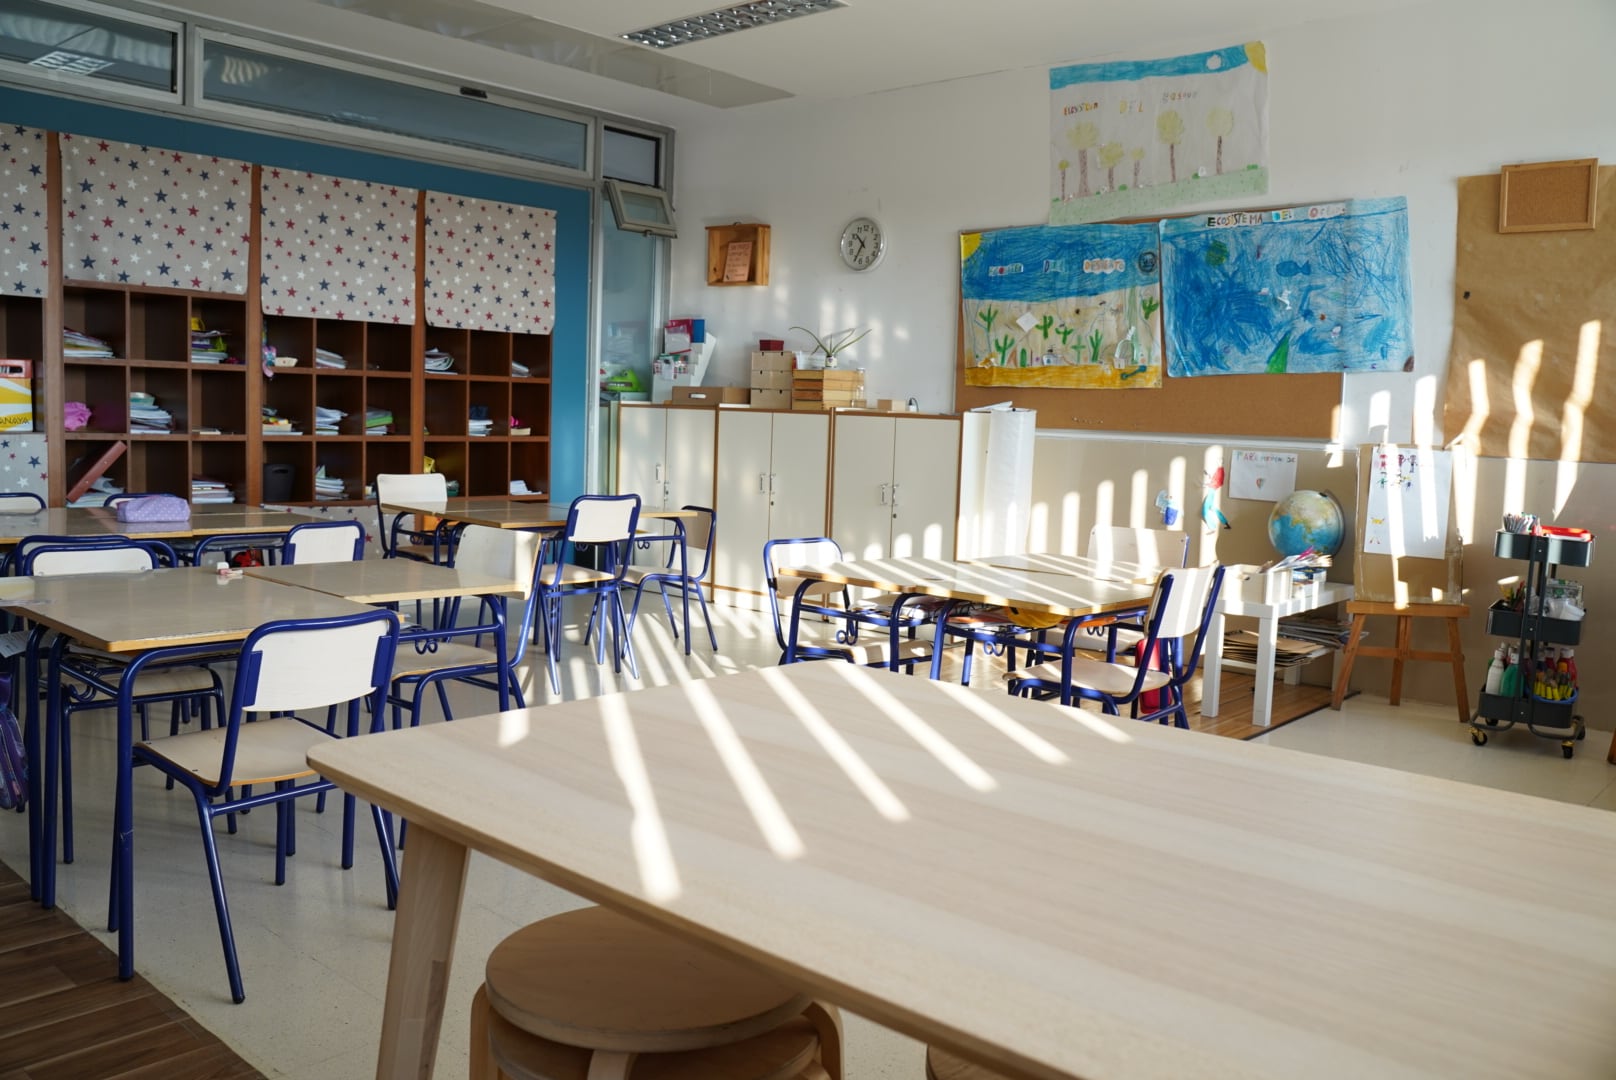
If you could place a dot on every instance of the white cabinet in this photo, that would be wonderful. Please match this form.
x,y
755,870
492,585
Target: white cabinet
x,y
665,455
894,486
770,484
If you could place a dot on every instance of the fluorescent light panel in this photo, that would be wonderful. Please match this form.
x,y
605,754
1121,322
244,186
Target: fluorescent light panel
x,y
727,20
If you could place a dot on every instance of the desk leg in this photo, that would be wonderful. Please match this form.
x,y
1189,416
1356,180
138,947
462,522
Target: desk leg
x,y
1212,666
424,929
1262,705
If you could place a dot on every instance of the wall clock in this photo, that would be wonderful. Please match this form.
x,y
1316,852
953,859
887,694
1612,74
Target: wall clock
x,y
863,244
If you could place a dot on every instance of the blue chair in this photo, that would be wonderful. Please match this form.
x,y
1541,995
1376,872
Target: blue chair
x,y
399,534
1183,603
606,523
323,542
699,533
875,634
283,667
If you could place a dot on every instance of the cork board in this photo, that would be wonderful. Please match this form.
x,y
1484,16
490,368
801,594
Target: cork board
x,y
1532,370
1548,196
1281,406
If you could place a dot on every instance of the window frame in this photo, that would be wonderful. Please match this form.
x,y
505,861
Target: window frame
x,y
89,85
628,222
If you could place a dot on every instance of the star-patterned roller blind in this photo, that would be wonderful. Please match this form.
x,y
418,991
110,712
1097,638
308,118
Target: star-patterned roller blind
x,y
23,269
489,265
139,215
336,248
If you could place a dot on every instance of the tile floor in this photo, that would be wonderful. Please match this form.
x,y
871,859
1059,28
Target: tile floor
x,y
314,953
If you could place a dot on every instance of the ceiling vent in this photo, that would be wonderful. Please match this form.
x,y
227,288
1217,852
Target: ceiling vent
x,y
727,20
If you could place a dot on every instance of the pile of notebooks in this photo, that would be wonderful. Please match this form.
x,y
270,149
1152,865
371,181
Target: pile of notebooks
x,y
325,358
276,424
79,346
206,490
326,420
439,361
207,347
378,421
479,423
146,417
328,488
97,493
519,369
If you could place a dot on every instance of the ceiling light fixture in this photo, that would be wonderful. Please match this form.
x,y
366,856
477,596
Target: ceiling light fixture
x,y
77,63
727,20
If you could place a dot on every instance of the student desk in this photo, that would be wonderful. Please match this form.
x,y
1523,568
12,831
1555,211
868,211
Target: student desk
x,y
1068,596
205,520
387,581
156,615
1124,573
1059,893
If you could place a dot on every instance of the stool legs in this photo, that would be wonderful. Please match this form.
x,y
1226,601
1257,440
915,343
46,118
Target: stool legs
x,y
482,1062
1457,652
828,1025
1345,679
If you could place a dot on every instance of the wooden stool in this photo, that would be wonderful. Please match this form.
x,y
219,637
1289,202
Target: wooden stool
x,y
941,1065
1399,653
614,988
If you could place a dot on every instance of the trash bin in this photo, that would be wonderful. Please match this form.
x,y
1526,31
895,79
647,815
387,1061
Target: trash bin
x,y
278,482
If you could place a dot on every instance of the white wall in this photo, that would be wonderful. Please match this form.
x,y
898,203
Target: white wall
x,y
1396,104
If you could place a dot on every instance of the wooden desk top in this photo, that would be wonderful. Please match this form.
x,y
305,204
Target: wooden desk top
x,y
160,608
205,520
1067,595
1116,571
385,581
498,512
1065,894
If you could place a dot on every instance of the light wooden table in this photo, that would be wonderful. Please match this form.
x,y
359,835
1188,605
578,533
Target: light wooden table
x,y
206,520
1045,889
1065,595
1082,566
500,512
387,581
151,616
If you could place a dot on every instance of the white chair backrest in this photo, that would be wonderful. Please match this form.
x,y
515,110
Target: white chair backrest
x,y
310,669
20,503
1148,547
323,542
816,553
505,553
600,521
1186,600
698,530
414,488
123,560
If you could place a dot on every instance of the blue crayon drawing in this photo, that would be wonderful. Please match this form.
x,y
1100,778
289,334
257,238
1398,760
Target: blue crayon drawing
x,y
1072,306
1306,289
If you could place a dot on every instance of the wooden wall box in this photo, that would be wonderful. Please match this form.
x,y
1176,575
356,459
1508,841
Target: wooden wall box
x,y
720,271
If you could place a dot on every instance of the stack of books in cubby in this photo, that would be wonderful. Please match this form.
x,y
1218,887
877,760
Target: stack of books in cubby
x,y
205,490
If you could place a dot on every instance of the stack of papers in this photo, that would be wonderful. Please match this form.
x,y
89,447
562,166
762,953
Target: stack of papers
x,y
275,424
146,418
205,490
327,359
519,487
519,369
78,346
326,420
378,421
1318,630
100,488
439,361
207,347
328,488
477,428
1288,652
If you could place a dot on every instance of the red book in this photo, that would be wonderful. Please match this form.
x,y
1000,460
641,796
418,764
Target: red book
x,y
79,481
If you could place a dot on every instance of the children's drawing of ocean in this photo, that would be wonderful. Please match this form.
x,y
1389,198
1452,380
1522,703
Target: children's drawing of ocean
x,y
1304,289
1062,306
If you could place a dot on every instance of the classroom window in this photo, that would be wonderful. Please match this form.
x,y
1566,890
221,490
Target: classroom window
x,y
638,208
88,44
244,75
630,156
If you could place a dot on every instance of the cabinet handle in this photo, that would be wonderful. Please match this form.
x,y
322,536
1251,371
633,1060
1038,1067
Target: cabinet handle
x,y
659,472
762,482
883,495
894,495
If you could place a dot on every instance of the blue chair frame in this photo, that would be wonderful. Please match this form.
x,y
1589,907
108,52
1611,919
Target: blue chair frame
x,y
616,553
676,573
893,622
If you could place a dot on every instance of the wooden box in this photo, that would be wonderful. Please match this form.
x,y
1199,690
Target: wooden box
x,y
711,395
771,399
771,380
738,254
773,361
827,389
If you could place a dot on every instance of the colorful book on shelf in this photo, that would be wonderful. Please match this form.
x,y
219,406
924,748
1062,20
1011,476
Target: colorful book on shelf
x,y
80,482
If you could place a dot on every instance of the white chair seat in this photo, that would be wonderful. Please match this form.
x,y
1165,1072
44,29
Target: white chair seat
x,y
1113,679
168,680
448,654
572,574
874,645
1126,640
268,750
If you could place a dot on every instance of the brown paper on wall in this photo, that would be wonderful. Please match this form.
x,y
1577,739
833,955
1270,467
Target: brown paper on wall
x,y
1525,298
1401,579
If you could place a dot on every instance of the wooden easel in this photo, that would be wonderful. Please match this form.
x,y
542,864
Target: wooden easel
x,y
1401,652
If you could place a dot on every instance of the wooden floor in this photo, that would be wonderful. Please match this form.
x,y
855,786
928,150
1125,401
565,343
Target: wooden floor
x,y
1234,710
64,1014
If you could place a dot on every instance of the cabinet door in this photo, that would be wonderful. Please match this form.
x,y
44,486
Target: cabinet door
x,y
742,494
689,471
926,488
641,452
798,474
861,486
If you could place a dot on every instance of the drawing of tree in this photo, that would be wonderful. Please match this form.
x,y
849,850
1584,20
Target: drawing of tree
x,y
1220,122
1138,156
1083,137
1170,129
1064,165
1111,156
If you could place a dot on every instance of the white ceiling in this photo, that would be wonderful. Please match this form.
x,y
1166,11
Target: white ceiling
x,y
572,50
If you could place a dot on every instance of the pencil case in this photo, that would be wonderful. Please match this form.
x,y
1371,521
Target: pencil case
x,y
154,508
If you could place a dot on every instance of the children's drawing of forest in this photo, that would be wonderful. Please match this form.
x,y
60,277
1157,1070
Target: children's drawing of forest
x,y
1062,306
1305,289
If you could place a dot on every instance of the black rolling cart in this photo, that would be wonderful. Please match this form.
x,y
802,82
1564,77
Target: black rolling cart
x,y
1546,718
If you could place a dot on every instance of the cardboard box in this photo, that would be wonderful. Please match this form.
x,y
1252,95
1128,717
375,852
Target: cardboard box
x,y
771,399
810,406
773,361
1254,585
16,395
765,379
711,395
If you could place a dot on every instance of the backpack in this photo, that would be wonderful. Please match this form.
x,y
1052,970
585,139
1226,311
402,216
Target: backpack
x,y
13,758
249,557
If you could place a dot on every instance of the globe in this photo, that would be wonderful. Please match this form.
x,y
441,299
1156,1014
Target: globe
x,y
1306,519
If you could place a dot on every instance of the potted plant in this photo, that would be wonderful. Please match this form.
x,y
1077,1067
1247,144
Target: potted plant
x,y
832,344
